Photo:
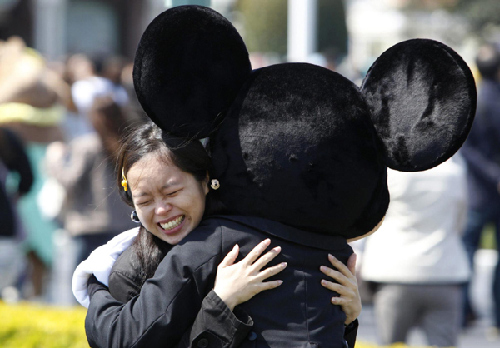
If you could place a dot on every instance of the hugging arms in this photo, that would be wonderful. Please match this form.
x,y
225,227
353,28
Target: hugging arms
x,y
168,187
170,301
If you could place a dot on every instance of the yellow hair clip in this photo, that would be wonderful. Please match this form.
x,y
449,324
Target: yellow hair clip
x,y
124,181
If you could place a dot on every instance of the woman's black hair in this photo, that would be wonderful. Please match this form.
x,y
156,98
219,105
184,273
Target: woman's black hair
x,y
188,155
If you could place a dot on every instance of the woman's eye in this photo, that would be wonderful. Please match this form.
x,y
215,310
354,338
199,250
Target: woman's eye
x,y
173,193
141,204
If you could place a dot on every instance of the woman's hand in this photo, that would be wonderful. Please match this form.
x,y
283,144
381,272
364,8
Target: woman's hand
x,y
238,282
347,286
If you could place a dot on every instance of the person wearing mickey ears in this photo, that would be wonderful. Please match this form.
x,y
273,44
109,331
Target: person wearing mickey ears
x,y
167,184
301,155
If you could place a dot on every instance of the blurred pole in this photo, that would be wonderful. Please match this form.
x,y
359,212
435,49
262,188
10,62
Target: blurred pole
x,y
50,24
301,41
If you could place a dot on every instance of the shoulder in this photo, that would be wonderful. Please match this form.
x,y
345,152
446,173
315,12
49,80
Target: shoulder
x,y
208,229
205,241
221,230
125,279
126,262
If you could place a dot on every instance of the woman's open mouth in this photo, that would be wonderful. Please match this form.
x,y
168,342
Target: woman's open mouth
x,y
172,225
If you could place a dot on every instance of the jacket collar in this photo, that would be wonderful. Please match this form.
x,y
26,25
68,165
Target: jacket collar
x,y
289,233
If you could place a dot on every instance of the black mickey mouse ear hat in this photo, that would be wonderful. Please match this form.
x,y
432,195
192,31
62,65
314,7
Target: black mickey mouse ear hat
x,y
189,65
422,100
301,144
298,146
304,146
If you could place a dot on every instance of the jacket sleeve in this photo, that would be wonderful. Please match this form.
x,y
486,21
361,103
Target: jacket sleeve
x,y
217,326
351,333
168,303
122,286
215,323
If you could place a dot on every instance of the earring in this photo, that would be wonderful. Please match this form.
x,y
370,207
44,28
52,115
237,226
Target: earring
x,y
215,184
134,217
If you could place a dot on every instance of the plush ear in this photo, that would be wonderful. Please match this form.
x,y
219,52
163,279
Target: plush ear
x,y
298,147
422,100
189,65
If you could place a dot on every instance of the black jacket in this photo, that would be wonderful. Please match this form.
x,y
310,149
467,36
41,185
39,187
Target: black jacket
x,y
295,315
215,323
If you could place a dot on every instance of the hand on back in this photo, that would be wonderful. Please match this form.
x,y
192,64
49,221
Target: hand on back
x,y
346,286
239,282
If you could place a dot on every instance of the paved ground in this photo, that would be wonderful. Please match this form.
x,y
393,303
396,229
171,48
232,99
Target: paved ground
x,y
475,337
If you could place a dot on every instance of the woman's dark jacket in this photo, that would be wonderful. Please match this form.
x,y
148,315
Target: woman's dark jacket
x,y
295,315
215,323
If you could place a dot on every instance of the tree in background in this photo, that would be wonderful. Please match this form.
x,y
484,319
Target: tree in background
x,y
332,30
481,15
265,26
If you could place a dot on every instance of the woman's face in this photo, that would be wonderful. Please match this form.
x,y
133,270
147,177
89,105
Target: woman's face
x,y
169,202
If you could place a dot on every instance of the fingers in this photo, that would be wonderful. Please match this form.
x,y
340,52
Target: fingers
x,y
340,289
339,265
271,271
339,277
351,263
268,285
341,301
264,260
230,257
257,251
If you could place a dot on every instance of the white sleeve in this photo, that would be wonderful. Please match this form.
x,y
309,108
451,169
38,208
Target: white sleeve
x,y
99,263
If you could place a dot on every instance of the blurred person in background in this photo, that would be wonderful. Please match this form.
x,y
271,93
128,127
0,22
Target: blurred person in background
x,y
93,211
91,80
77,67
133,107
32,103
482,155
419,283
13,159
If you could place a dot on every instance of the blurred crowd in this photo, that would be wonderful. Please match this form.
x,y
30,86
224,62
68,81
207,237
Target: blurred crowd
x,y
417,268
61,124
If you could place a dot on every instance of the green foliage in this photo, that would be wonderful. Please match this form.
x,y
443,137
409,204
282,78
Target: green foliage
x,y
488,238
265,25
480,13
332,28
32,326
420,5
28,326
